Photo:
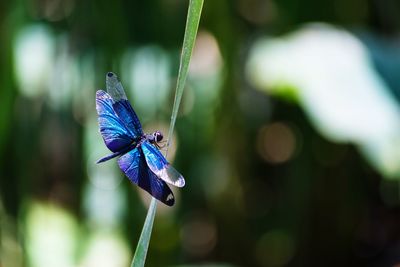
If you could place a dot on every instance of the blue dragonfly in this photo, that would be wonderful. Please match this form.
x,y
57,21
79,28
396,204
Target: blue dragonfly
x,y
139,155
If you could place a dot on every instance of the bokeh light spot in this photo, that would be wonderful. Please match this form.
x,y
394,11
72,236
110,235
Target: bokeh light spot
x,y
275,248
206,58
198,235
34,57
258,12
51,235
276,142
146,76
106,249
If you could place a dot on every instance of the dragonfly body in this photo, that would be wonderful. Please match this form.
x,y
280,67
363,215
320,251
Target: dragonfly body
x,y
139,157
152,138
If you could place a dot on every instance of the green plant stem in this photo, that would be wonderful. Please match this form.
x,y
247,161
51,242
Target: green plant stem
x,y
141,251
192,24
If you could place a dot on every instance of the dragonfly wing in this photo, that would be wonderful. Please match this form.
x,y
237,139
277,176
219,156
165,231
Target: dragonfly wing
x,y
135,168
160,166
121,105
115,135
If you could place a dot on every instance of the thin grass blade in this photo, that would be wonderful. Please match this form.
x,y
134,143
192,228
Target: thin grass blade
x,y
141,250
192,24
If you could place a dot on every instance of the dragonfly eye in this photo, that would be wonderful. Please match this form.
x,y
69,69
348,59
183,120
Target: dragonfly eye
x,y
158,136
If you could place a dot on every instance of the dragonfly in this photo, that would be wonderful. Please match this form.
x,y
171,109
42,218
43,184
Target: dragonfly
x,y
138,153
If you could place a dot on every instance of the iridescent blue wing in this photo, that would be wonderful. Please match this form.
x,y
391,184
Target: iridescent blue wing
x,y
134,166
160,166
121,105
114,132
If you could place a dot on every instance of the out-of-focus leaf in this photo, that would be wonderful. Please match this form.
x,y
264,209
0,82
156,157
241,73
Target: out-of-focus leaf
x,y
345,99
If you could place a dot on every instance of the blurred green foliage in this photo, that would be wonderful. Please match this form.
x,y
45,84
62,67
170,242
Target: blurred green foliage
x,y
264,188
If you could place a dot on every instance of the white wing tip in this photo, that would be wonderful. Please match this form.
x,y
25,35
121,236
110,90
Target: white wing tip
x,y
180,182
166,174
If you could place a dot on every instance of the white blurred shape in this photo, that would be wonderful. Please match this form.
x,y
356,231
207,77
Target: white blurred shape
x,y
34,58
106,249
148,70
334,80
51,236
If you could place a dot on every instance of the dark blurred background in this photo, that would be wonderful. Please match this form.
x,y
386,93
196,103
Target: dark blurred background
x,y
288,134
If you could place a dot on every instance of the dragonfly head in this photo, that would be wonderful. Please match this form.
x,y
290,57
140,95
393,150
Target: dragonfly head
x,y
158,136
